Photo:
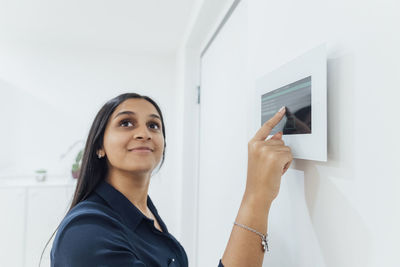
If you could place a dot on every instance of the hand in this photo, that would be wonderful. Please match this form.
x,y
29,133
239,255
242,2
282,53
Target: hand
x,y
268,160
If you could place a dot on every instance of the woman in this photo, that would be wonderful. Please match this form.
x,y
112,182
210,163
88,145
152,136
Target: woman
x,y
112,220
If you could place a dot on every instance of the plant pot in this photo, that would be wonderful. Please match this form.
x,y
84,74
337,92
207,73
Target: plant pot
x,y
41,176
75,174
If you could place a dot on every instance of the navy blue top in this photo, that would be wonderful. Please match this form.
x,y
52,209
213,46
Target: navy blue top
x,y
106,230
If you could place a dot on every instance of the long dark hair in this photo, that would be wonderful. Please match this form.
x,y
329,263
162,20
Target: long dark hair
x,y
92,169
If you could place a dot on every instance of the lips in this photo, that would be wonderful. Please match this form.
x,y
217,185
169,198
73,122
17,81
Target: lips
x,y
141,148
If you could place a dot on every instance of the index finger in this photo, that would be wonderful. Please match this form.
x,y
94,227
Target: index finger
x,y
267,127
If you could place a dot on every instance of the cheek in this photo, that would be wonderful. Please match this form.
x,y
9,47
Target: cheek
x,y
113,142
159,142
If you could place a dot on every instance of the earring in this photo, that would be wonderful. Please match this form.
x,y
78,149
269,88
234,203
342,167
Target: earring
x,y
99,155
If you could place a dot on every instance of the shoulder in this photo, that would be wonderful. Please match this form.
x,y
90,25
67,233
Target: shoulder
x,y
89,234
87,211
88,218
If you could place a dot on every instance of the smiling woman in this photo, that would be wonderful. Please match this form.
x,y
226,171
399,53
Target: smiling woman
x,y
112,221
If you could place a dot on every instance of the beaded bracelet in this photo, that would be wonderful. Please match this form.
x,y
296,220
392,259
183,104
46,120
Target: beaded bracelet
x,y
264,241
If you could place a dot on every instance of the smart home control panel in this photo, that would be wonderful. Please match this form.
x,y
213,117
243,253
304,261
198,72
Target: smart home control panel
x,y
300,86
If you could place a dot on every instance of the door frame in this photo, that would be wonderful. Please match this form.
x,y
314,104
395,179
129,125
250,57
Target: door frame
x,y
226,16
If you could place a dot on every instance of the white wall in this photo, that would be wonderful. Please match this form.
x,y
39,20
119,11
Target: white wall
x,y
353,198
345,210
50,93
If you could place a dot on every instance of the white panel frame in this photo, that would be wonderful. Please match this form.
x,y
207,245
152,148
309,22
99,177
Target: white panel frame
x,y
313,63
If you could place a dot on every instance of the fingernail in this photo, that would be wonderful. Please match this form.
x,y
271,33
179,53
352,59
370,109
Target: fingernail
x,y
282,109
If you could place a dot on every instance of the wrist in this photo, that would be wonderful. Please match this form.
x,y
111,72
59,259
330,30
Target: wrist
x,y
258,199
255,204
254,212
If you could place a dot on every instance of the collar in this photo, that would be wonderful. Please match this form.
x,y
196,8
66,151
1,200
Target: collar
x,y
130,214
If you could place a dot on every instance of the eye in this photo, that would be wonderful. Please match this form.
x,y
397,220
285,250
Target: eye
x,y
123,122
155,123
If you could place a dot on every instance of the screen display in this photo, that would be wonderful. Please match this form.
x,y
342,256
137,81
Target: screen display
x,y
296,97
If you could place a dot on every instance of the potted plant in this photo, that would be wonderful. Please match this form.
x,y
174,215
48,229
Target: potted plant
x,y
76,167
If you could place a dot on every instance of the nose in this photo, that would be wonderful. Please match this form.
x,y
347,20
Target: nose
x,y
142,133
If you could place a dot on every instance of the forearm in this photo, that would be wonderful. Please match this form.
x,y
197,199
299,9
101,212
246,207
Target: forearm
x,y
244,246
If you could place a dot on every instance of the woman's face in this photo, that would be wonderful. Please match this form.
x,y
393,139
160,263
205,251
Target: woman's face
x,y
134,123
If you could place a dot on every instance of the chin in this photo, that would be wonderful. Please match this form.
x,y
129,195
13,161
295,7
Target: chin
x,y
140,170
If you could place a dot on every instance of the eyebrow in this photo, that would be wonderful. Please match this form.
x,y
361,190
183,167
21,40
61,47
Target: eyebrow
x,y
133,113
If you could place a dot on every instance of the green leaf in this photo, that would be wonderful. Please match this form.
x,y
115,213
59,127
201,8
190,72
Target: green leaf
x,y
79,156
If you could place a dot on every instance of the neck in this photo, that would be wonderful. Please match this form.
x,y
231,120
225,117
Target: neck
x,y
133,186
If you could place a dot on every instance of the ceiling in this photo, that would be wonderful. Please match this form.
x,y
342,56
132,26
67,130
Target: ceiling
x,y
132,25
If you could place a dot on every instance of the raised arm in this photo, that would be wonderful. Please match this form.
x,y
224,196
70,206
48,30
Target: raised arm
x,y
268,160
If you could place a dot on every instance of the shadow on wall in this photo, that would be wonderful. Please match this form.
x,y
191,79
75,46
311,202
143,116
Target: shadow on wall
x,y
35,133
8,121
343,236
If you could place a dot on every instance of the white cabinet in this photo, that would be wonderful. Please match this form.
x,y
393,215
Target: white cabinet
x,y
12,226
46,207
30,213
